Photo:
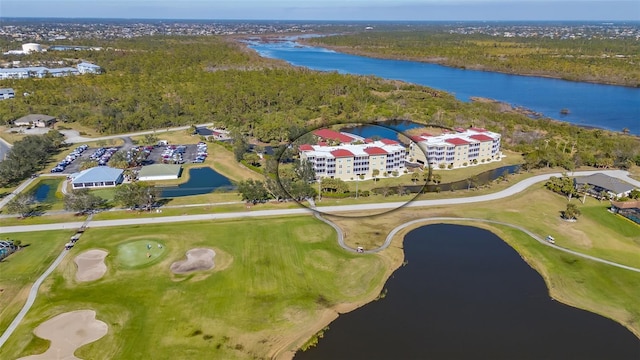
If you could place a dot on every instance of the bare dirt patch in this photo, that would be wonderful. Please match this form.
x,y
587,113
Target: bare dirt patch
x,y
67,332
91,265
198,259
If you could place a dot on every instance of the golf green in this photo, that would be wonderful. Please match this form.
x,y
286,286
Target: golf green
x,y
140,253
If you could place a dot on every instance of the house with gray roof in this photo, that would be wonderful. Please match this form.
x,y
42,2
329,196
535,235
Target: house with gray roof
x,y
37,120
97,177
600,182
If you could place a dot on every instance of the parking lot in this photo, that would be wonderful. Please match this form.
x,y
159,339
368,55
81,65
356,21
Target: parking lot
x,y
178,154
163,154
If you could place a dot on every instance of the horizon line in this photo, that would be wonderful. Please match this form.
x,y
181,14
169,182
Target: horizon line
x,y
322,20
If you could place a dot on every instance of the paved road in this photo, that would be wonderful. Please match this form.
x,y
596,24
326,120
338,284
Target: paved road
x,y
162,220
514,189
81,139
4,148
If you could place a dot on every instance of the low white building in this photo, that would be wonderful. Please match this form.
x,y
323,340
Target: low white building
x,y
158,172
89,68
7,93
37,120
97,177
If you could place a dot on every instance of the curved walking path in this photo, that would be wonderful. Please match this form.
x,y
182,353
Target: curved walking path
x,y
516,188
31,298
81,139
395,231
33,293
512,190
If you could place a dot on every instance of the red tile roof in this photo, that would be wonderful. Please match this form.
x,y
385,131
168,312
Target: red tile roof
x,y
459,129
478,129
389,142
481,137
342,153
305,147
457,141
334,135
368,140
322,143
416,138
374,150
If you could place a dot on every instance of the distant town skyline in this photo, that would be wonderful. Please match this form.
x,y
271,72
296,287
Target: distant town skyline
x,y
409,10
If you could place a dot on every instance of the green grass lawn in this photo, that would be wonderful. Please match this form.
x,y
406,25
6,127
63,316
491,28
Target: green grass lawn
x,y
606,290
279,274
140,253
22,268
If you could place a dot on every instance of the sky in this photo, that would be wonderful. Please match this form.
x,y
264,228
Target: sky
x,y
414,10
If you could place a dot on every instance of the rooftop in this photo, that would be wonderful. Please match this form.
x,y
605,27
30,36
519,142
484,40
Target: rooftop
x,y
342,153
160,170
457,141
334,135
607,182
481,137
96,174
374,150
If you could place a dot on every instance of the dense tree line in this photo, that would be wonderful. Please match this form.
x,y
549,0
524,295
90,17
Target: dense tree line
x,y
28,156
611,61
158,82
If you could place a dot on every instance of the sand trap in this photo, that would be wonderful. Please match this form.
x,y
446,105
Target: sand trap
x,y
68,332
197,259
91,265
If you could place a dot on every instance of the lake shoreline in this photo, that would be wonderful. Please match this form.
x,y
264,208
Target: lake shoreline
x,y
441,61
395,264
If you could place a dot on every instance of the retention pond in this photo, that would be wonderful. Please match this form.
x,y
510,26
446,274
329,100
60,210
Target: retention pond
x,y
465,294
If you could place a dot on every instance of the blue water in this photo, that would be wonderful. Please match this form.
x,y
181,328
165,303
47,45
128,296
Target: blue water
x,y
42,192
604,106
201,181
465,294
387,129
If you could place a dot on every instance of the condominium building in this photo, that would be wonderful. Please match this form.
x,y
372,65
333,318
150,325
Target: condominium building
x,y
41,71
353,156
455,149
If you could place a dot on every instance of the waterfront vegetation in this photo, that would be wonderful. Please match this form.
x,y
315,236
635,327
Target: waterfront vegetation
x,y
609,61
575,281
262,281
158,82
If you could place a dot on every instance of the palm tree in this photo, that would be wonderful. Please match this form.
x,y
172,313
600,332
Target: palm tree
x,y
414,177
437,178
572,212
585,190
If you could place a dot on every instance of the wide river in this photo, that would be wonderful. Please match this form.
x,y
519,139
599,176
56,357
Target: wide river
x,y
604,106
465,294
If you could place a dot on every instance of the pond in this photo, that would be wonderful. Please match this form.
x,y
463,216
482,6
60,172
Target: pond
x,y
201,181
385,129
465,294
46,189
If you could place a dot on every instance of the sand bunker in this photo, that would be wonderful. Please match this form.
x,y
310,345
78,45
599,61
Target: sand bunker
x,y
68,332
197,259
91,265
